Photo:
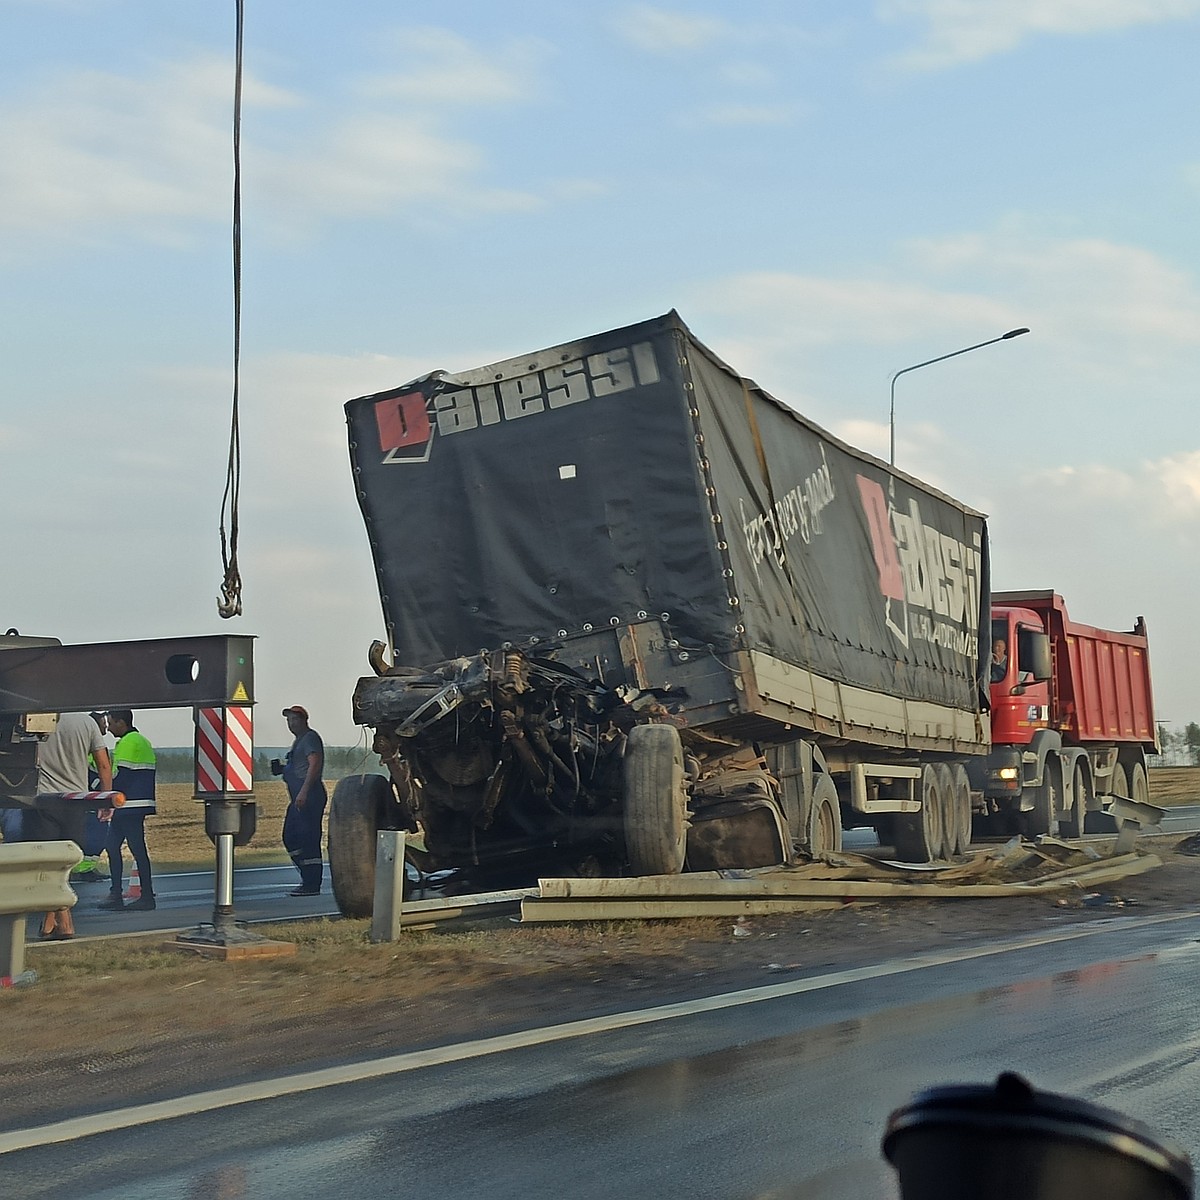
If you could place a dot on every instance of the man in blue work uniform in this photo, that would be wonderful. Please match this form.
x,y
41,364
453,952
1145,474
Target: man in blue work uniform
x,y
306,795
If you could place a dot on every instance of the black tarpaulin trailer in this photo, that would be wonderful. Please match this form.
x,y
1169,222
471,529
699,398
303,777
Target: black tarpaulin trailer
x,y
630,506
633,473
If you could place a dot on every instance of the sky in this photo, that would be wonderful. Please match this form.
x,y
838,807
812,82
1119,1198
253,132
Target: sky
x,y
827,191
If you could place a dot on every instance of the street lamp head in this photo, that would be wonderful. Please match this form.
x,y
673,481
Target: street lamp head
x,y
1012,333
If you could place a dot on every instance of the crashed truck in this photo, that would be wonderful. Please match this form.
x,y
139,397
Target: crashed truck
x,y
644,617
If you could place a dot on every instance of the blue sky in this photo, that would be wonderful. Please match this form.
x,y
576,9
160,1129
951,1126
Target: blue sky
x,y
827,192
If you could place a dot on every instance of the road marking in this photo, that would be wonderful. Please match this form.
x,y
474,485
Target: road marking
x,y
311,1081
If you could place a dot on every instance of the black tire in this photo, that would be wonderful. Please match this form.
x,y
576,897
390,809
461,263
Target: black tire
x,y
961,785
655,809
1118,785
1139,785
951,831
355,818
824,833
1042,820
1074,825
920,836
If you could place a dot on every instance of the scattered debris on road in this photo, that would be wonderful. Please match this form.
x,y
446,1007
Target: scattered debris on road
x,y
1016,868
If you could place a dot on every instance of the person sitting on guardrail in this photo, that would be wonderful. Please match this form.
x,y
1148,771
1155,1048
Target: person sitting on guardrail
x,y
63,767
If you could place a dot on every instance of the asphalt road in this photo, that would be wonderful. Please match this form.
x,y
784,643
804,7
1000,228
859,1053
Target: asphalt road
x,y
777,1093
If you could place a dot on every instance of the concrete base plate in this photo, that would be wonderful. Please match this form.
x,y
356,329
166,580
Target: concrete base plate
x,y
234,951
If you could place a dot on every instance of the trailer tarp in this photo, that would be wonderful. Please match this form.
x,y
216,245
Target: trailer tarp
x,y
632,474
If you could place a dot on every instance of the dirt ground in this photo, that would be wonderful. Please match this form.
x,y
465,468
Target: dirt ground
x,y
189,1023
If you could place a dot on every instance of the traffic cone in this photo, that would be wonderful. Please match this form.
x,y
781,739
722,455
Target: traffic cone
x,y
134,891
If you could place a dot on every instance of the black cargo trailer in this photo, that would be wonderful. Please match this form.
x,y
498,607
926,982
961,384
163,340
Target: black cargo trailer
x,y
641,613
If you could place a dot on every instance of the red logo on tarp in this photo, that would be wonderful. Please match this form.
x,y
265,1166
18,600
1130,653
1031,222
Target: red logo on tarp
x,y
402,421
883,545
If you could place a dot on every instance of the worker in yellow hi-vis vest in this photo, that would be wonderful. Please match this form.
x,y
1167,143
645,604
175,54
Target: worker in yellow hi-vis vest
x,y
133,773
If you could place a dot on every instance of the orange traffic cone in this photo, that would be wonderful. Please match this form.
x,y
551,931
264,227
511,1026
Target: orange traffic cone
x,y
134,891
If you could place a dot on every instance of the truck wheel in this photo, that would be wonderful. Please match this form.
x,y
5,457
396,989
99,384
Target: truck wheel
x,y
1043,820
1073,826
824,818
1118,785
950,828
919,836
1139,785
355,810
961,804
655,816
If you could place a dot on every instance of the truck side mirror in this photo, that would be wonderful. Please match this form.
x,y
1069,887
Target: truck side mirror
x,y
1039,657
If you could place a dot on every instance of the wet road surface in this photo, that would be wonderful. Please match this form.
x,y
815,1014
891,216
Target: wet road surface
x,y
780,1092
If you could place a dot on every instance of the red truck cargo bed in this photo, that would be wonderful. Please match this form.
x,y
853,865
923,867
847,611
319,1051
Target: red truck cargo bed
x,y
1102,678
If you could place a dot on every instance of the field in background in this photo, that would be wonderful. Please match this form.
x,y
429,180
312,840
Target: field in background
x,y
177,840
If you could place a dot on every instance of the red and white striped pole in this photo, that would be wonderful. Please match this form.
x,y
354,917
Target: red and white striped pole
x,y
224,752
225,782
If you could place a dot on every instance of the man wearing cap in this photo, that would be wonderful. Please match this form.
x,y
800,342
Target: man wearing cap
x,y
306,795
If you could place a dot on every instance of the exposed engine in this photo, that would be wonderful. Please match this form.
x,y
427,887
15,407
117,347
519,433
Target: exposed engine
x,y
501,755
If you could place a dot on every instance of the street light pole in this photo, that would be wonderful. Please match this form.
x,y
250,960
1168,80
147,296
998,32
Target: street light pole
x,y
1004,337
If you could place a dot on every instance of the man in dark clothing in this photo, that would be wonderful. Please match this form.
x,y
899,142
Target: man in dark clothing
x,y
306,795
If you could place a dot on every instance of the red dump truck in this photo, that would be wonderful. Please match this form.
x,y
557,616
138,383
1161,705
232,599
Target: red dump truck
x,y
1072,718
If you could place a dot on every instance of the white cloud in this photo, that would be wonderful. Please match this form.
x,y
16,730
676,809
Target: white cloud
x,y
1180,480
969,30
92,148
1084,290
1108,320
93,154
663,31
376,165
439,68
806,309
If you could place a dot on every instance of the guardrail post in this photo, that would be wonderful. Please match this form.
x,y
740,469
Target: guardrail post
x,y
389,885
1134,818
12,945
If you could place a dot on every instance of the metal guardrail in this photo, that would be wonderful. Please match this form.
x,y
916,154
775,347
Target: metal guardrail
x,y
33,879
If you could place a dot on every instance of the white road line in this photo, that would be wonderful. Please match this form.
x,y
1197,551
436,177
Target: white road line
x,y
309,1081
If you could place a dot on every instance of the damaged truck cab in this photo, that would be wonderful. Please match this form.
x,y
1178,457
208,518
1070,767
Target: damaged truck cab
x,y
643,617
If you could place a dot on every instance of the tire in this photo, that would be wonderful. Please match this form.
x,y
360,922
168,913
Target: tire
x,y
1118,785
655,808
1043,820
919,836
951,823
962,806
355,817
824,834
1139,784
1073,826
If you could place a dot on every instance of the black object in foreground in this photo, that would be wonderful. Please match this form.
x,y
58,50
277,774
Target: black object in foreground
x,y
1008,1141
